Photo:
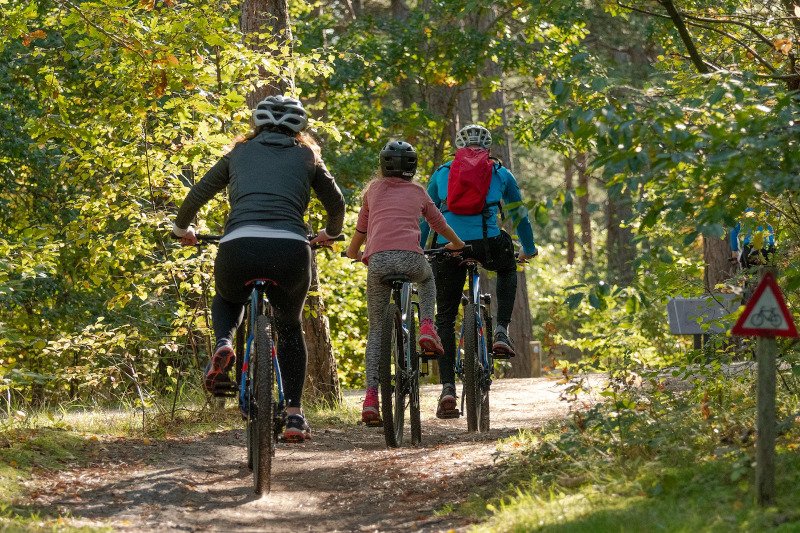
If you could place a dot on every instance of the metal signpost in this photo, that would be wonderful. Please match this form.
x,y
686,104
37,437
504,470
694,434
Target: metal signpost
x,y
766,316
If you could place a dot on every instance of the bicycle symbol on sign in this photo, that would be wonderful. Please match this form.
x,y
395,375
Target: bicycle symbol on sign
x,y
766,315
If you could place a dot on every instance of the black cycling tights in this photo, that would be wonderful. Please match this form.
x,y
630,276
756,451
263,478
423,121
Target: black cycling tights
x,y
284,261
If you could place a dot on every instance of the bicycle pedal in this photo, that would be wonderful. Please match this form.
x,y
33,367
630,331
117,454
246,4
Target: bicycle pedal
x,y
429,356
225,390
503,355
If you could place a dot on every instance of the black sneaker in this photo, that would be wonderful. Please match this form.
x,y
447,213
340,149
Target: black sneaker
x,y
447,403
297,429
502,345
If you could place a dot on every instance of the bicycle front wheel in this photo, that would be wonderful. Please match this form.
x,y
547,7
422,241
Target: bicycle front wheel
x,y
472,369
390,374
263,442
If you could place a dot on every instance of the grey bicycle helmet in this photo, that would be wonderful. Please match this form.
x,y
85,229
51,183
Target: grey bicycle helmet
x,y
398,158
281,111
473,135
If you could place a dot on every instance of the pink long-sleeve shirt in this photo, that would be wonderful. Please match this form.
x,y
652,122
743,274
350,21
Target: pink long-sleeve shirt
x,y
390,216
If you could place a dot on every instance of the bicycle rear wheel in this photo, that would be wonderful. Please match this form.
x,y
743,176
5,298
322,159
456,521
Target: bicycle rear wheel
x,y
390,374
472,369
263,442
413,376
483,423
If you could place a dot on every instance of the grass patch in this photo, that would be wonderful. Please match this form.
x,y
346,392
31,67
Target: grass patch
x,y
323,415
645,461
24,453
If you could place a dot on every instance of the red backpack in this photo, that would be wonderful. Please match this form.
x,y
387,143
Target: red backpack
x,y
468,181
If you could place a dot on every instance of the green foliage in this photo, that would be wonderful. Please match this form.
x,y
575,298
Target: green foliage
x,y
653,444
111,112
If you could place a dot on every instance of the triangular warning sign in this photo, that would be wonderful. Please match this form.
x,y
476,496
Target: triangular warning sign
x,y
766,314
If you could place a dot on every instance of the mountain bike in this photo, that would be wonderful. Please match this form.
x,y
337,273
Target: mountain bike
x,y
258,383
474,363
399,365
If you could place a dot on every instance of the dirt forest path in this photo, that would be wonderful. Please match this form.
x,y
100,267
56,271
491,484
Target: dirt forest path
x,y
345,479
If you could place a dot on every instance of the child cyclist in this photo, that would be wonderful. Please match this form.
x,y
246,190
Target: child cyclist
x,y
389,223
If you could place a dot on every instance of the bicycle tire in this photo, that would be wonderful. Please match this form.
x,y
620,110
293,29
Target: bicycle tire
x,y
472,369
264,377
483,422
238,349
389,372
415,419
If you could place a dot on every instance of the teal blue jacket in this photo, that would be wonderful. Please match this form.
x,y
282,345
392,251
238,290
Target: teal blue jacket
x,y
470,227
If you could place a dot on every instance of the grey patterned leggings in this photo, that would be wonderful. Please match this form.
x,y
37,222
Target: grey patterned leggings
x,y
416,267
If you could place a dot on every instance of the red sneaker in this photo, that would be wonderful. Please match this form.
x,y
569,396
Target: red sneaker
x,y
447,407
221,362
297,429
370,412
429,339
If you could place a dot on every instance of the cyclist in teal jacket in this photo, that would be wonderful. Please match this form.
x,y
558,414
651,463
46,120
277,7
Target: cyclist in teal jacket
x,y
746,255
495,251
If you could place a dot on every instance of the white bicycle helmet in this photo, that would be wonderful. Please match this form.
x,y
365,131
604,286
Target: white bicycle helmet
x,y
281,111
473,135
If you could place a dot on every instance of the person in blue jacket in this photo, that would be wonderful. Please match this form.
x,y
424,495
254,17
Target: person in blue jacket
x,y
494,249
746,256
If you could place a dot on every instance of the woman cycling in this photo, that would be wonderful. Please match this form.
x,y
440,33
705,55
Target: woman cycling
x,y
269,176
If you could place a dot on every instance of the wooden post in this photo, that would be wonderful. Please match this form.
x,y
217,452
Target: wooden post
x,y
766,349
536,361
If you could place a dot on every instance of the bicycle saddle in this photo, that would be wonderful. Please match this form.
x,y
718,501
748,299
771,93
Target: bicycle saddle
x,y
390,279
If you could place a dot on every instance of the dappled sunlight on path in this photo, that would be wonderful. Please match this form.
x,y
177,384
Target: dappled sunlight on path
x,y
344,479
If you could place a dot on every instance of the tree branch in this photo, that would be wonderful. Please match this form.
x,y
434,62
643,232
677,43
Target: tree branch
x,y
738,41
102,30
686,37
750,27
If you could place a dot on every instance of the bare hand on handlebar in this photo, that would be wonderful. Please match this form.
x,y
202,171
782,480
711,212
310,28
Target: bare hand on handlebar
x,y
323,239
187,236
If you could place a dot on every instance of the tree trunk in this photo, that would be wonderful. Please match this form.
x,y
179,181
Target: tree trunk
x,y
717,255
583,203
619,241
405,88
322,380
570,222
464,111
521,328
270,17
441,100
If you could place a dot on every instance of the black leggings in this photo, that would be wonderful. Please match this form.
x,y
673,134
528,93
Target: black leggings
x,y
284,261
497,254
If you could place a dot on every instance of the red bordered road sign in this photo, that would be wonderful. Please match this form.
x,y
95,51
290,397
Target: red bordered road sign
x,y
766,314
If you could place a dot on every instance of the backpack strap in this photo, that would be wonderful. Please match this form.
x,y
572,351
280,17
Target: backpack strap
x,y
487,212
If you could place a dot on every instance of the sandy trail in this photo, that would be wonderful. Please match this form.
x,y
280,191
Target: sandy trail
x,y
345,479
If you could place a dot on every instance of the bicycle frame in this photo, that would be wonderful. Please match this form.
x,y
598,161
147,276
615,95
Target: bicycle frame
x,y
403,299
259,303
475,298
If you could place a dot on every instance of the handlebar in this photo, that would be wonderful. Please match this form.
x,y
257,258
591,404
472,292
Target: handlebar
x,y
433,252
200,238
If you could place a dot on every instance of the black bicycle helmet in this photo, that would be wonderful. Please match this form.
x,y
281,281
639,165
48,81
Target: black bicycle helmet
x,y
398,158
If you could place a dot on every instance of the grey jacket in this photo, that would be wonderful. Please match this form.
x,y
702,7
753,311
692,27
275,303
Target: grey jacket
x,y
269,180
